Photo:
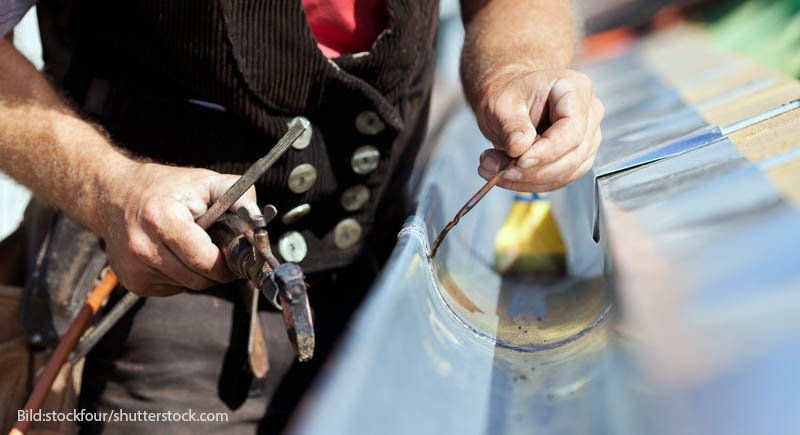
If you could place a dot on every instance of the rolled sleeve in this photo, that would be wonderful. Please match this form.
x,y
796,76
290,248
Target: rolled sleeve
x,y
11,11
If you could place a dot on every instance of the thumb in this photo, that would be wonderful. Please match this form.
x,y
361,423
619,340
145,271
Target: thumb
x,y
248,200
519,134
515,126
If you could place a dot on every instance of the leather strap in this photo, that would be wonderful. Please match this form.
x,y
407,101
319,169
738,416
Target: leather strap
x,y
256,342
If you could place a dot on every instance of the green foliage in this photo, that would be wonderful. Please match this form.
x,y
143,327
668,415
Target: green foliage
x,y
766,30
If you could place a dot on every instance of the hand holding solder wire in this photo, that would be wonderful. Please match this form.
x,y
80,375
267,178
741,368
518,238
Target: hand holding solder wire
x,y
548,121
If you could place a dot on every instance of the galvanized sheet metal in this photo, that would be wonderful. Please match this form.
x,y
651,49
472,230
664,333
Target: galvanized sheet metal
x,y
452,347
693,329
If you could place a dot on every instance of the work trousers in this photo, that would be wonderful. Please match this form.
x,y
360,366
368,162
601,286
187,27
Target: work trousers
x,y
187,354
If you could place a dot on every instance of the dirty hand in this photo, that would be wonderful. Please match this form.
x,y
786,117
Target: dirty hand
x,y
548,120
153,243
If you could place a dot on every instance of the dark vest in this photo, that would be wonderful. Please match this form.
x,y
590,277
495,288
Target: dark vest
x,y
136,66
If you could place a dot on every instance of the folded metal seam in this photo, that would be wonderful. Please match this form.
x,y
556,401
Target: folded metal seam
x,y
679,147
413,230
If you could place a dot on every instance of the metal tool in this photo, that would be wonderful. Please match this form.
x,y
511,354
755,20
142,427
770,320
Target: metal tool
x,y
469,206
257,357
253,173
67,346
90,339
61,352
247,180
244,243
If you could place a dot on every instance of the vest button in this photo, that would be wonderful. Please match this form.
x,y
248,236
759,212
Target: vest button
x,y
302,178
354,198
346,233
296,214
369,123
292,247
365,159
304,140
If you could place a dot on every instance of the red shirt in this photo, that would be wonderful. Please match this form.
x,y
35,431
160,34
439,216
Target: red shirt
x,y
340,28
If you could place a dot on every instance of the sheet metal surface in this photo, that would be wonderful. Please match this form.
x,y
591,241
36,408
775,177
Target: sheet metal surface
x,y
452,347
693,330
706,259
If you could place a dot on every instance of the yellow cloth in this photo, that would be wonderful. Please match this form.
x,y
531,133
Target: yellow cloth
x,y
529,241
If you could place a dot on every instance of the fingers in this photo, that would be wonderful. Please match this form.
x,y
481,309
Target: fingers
x,y
506,121
192,245
176,229
537,186
170,225
155,286
568,169
147,281
149,265
515,105
569,101
174,225
518,130
153,242
563,170
174,270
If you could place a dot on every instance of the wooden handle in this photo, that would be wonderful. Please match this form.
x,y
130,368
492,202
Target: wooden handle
x,y
65,346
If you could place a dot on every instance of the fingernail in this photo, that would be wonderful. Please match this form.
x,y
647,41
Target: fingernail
x,y
490,162
529,162
513,174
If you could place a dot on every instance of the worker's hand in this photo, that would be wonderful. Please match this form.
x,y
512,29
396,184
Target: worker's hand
x,y
548,120
153,243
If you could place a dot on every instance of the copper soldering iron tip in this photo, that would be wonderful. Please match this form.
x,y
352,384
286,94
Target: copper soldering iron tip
x,y
469,206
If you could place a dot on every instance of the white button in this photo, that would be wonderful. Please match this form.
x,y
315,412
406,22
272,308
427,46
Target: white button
x,y
354,198
365,159
369,123
302,178
296,214
304,140
346,233
292,247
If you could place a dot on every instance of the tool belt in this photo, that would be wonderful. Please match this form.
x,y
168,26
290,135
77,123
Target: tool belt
x,y
33,318
67,267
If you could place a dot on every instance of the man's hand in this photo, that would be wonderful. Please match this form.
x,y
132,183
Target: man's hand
x,y
153,243
561,103
145,212
529,104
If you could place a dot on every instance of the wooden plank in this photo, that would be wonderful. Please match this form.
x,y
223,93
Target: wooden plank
x,y
748,74
751,106
769,138
787,179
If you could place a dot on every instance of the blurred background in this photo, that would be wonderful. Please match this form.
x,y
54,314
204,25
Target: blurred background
x,y
745,25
